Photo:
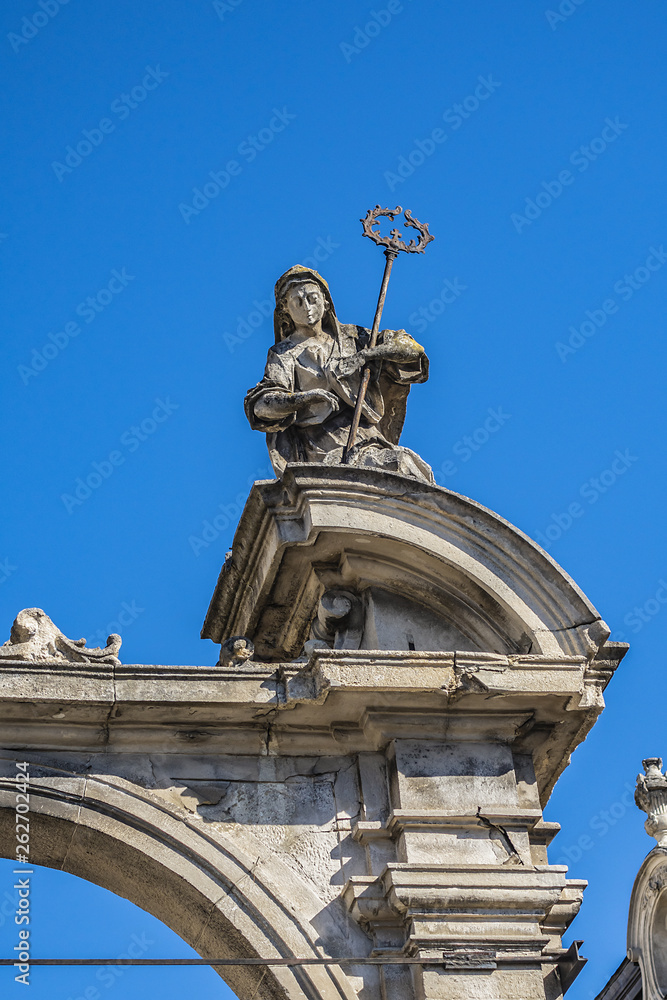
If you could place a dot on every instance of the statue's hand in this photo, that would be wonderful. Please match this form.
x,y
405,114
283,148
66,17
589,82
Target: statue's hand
x,y
353,363
314,397
397,345
315,403
314,406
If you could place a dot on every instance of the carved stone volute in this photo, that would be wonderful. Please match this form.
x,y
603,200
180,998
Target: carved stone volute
x,y
339,621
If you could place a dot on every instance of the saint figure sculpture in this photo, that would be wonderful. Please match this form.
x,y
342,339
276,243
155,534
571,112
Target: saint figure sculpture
x,y
306,399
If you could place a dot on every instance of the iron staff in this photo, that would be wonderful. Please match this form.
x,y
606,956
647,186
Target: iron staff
x,y
393,244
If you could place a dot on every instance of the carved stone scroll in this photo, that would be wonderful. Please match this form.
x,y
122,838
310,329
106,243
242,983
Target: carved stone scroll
x,y
34,636
338,623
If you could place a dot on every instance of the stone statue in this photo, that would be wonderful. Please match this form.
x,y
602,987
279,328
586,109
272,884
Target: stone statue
x,y
34,636
306,399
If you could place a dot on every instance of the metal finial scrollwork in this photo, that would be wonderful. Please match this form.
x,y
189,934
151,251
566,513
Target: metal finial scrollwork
x,y
394,241
392,244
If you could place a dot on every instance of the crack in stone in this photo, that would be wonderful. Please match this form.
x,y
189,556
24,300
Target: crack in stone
x,y
261,980
249,874
269,716
75,825
267,738
156,783
514,856
195,943
107,735
214,903
571,628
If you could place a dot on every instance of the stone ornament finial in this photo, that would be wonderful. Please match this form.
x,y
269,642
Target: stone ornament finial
x,y
236,651
34,636
651,796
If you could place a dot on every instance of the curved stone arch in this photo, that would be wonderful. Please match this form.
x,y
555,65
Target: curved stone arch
x,y
647,924
465,554
220,899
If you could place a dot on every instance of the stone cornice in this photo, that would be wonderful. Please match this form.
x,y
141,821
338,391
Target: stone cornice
x,y
340,701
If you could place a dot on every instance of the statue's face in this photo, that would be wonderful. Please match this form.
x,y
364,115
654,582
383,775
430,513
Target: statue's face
x,y
305,303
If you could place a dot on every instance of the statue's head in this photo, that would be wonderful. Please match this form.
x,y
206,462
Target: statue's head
x,y
305,302
303,299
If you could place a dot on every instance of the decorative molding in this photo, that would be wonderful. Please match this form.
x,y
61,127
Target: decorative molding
x,y
647,929
625,984
494,908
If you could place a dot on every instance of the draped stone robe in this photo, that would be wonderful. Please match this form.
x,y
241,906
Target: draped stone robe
x,y
319,433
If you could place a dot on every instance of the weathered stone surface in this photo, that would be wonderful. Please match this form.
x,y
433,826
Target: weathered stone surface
x,y
35,637
349,799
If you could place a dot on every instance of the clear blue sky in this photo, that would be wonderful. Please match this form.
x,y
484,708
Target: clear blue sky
x,y
545,190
